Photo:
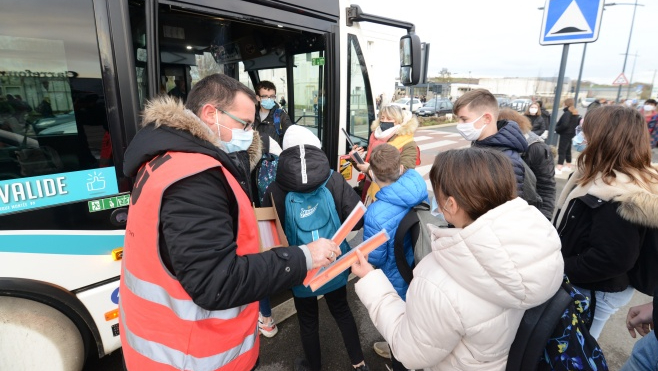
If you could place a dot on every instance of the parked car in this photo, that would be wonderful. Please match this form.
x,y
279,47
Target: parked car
x,y
585,102
404,104
520,105
435,107
503,102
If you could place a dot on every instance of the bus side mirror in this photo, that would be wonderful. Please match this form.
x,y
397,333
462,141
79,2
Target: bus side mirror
x,y
410,60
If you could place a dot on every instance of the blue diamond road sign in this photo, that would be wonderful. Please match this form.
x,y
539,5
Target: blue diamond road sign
x,y
571,21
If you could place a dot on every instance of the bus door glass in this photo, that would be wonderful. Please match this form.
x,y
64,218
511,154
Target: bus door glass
x,y
55,146
195,45
360,109
309,91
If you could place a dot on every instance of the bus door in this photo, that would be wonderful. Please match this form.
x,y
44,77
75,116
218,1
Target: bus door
x,y
282,46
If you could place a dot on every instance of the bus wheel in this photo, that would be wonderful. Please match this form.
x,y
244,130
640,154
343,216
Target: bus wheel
x,y
34,336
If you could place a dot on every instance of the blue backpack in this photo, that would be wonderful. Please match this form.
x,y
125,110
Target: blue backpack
x,y
310,216
263,175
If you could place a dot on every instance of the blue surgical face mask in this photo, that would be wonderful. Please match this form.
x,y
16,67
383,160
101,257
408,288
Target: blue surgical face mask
x,y
434,210
240,139
267,103
385,125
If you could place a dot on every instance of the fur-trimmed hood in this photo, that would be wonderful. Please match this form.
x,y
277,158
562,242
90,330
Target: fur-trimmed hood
x,y
168,126
408,126
637,204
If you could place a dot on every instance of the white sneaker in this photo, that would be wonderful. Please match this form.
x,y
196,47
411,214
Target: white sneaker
x,y
558,171
268,330
382,349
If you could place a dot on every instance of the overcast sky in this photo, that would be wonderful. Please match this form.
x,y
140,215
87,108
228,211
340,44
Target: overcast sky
x,y
500,38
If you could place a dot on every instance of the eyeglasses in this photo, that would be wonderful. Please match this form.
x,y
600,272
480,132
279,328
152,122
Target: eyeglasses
x,y
267,96
247,125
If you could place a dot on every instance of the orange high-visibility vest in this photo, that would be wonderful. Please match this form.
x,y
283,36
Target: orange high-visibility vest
x,y
161,327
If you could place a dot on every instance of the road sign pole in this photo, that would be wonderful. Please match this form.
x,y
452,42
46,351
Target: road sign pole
x,y
580,75
552,138
628,46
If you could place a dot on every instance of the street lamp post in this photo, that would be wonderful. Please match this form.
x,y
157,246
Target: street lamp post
x,y
628,46
630,81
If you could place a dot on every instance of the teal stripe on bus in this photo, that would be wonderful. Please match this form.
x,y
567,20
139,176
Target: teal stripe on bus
x,y
91,244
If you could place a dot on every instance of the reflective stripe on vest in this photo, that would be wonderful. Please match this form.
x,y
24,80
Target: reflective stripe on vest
x,y
179,360
161,326
184,309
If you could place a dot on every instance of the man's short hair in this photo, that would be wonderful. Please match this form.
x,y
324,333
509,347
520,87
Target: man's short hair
x,y
385,163
218,90
650,101
477,100
267,85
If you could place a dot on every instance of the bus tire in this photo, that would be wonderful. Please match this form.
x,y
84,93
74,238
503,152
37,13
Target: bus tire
x,y
34,336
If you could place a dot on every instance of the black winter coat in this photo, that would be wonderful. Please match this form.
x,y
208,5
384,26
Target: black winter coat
x,y
540,160
266,127
199,218
602,229
289,178
538,124
566,125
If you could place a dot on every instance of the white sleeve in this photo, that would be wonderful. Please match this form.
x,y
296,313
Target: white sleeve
x,y
420,332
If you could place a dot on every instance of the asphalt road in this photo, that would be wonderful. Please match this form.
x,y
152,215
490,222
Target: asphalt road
x,y
280,352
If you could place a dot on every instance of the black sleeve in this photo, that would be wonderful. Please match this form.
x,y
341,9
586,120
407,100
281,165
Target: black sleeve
x,y
614,246
563,122
540,160
345,198
285,123
198,230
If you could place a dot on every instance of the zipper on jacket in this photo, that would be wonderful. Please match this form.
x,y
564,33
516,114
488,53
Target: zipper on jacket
x,y
566,217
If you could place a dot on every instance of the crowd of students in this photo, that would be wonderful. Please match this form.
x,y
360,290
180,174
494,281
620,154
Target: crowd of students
x,y
499,256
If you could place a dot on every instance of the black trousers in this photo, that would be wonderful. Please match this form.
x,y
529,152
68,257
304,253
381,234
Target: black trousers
x,y
564,149
309,326
397,365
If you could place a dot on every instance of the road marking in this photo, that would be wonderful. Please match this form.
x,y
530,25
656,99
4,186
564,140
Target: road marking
x,y
429,185
441,143
422,137
423,170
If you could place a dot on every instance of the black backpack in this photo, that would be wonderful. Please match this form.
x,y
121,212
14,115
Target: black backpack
x,y
414,223
644,275
555,336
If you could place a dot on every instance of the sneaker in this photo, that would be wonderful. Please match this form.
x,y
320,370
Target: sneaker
x,y
382,349
268,330
363,367
558,171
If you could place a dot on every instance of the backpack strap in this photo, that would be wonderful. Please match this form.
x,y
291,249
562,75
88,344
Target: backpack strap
x,y
277,121
535,329
410,223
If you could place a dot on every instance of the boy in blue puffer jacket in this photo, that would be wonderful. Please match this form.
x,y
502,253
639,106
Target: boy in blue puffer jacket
x,y
400,191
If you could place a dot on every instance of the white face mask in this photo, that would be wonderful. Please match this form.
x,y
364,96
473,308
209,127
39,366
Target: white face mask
x,y
240,139
468,130
533,110
649,107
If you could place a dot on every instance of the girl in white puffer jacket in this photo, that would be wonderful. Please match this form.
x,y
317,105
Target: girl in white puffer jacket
x,y
469,294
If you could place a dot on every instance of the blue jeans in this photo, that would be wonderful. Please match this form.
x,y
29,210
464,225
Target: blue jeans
x,y
607,303
265,307
644,355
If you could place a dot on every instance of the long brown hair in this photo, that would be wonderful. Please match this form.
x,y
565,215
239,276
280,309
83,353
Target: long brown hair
x,y
569,103
617,140
478,179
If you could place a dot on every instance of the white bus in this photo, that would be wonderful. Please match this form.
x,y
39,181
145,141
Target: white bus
x,y
74,76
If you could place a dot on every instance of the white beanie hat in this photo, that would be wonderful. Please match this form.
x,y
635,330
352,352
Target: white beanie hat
x,y
296,135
